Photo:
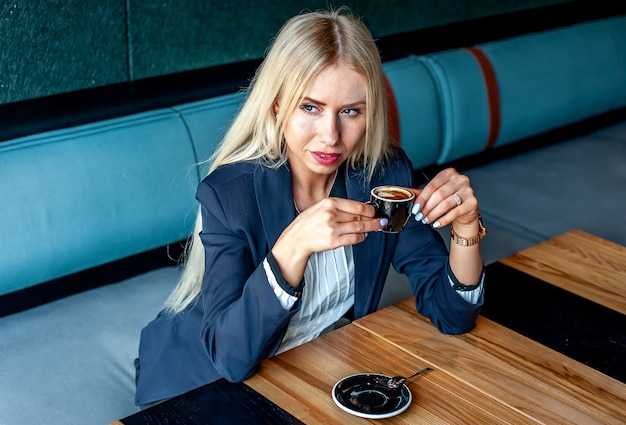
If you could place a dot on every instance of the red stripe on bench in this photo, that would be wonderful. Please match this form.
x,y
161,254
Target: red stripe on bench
x,y
493,94
393,117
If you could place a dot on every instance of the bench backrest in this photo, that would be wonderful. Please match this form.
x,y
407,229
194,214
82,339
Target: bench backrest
x,y
79,197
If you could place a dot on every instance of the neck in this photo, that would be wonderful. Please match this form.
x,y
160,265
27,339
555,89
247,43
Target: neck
x,y
306,194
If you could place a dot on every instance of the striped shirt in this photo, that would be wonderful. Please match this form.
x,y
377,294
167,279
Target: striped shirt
x,y
327,295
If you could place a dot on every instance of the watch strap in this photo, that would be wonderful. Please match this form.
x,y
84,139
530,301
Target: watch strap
x,y
474,240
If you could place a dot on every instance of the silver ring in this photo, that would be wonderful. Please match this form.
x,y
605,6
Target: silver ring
x,y
457,198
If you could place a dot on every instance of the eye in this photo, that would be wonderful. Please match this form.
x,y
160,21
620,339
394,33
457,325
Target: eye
x,y
307,107
351,112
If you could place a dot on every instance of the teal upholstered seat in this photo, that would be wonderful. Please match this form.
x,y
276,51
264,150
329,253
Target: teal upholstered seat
x,y
80,197
417,102
462,102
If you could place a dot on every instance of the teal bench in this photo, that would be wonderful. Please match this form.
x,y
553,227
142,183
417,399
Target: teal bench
x,y
81,197
527,85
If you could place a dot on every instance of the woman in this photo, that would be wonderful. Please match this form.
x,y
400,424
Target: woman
x,y
285,244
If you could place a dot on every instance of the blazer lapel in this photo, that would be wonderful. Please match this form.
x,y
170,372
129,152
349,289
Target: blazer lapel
x,y
275,200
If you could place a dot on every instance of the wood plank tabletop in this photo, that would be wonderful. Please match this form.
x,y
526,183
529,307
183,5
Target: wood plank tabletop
x,y
581,263
301,380
489,375
506,367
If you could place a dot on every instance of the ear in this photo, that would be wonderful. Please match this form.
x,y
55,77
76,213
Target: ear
x,y
276,107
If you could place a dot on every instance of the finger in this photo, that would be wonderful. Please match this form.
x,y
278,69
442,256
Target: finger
x,y
353,232
351,239
358,219
455,215
339,217
362,225
436,182
351,207
450,210
445,212
442,190
436,205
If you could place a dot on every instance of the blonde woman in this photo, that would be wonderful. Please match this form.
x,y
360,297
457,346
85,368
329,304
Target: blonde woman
x,y
285,245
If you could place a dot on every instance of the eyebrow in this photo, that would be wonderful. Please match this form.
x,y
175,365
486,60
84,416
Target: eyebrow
x,y
350,105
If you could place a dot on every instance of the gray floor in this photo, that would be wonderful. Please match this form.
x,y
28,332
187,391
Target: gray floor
x,y
70,361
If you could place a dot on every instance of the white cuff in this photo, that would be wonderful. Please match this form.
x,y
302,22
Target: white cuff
x,y
471,296
286,300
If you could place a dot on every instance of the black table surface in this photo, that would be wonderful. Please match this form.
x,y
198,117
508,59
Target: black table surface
x,y
568,323
220,402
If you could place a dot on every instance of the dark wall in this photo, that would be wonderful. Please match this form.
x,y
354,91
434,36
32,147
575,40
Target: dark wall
x,y
59,46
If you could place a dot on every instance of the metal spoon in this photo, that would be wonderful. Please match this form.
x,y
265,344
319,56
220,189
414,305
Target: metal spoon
x,y
396,381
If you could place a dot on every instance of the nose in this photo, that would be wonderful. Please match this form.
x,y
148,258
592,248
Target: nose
x,y
330,129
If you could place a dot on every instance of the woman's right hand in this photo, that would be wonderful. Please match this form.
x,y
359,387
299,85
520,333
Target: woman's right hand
x,y
329,224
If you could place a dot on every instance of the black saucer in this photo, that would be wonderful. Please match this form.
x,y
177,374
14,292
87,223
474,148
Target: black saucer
x,y
367,395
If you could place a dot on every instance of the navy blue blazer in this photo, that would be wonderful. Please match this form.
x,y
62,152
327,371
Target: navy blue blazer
x,y
238,321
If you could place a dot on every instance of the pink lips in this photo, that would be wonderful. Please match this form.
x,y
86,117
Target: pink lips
x,y
325,158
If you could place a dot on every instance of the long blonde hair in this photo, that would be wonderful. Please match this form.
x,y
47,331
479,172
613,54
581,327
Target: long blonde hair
x,y
305,45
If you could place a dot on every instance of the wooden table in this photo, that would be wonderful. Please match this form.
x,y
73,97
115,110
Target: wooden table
x,y
489,375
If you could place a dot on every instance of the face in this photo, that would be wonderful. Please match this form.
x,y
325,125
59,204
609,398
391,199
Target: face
x,y
328,123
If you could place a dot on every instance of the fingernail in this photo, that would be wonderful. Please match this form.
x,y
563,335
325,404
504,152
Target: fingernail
x,y
384,221
418,216
425,220
416,209
436,225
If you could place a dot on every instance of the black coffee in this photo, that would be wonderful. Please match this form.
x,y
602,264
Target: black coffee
x,y
393,194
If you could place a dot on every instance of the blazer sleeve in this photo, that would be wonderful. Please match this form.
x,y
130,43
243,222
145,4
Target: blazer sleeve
x,y
243,321
421,254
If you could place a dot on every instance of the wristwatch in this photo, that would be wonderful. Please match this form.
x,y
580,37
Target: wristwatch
x,y
482,232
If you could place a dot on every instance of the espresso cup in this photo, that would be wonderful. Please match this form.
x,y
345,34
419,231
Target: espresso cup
x,y
393,203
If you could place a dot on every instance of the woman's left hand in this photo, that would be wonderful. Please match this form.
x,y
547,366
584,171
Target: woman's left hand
x,y
447,198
